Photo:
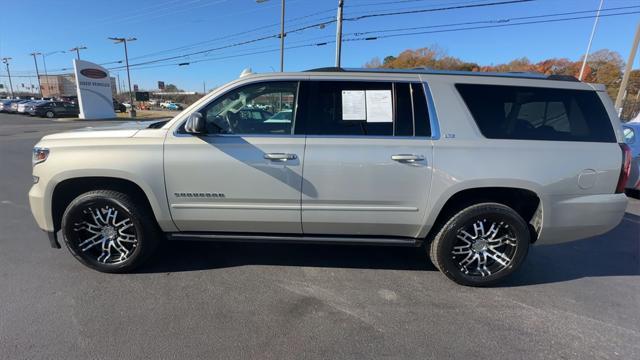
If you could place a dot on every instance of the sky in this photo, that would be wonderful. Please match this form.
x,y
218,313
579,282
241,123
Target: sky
x,y
214,28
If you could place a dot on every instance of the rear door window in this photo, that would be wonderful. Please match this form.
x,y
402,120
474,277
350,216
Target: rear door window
x,y
533,113
363,108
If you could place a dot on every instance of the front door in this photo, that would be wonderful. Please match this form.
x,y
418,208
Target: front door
x,y
368,157
245,173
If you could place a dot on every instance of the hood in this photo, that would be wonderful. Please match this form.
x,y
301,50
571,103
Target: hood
x,y
123,130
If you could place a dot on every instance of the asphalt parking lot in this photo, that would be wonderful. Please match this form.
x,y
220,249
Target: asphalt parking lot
x,y
224,300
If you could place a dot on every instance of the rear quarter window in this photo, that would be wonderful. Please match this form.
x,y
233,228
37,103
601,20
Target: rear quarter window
x,y
535,113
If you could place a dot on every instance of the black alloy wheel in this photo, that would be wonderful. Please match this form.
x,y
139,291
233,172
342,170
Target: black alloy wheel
x,y
481,244
106,231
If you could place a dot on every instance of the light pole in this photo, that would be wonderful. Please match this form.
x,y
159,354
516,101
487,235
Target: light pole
x,y
339,33
77,50
282,34
118,40
6,62
593,32
35,61
627,71
44,62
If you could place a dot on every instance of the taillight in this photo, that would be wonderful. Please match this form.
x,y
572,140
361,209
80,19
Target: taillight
x,y
625,170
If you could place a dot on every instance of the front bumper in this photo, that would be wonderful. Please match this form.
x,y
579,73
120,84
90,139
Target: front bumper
x,y
39,211
569,218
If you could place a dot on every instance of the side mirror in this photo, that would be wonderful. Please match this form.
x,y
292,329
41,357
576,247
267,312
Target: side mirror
x,y
195,124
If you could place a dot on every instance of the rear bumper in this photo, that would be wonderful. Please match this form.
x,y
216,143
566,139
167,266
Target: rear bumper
x,y
569,218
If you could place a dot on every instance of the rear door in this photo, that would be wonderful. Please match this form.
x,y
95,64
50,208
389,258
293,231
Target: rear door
x,y
367,165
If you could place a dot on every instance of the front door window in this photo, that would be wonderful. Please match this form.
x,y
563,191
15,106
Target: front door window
x,y
262,108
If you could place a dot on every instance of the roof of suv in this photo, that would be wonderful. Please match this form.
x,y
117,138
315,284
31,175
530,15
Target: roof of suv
x,y
521,75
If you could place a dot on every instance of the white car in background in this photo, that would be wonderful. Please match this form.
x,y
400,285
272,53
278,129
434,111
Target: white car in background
x,y
26,107
283,116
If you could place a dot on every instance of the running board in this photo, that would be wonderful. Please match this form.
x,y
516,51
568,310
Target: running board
x,y
299,239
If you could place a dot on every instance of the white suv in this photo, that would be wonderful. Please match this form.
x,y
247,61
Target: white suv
x,y
477,167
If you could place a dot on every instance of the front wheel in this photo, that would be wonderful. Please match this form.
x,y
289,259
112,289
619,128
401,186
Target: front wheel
x,y
481,245
50,114
106,231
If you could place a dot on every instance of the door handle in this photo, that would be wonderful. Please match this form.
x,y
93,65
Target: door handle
x,y
280,156
409,158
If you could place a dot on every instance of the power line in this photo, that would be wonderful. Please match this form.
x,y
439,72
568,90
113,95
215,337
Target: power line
x,y
490,26
322,24
356,39
233,35
394,35
406,12
493,21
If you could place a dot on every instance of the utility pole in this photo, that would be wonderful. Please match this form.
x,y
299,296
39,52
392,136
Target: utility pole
x,y
46,75
204,87
119,90
339,33
282,38
593,32
77,50
123,40
282,34
35,61
6,62
627,71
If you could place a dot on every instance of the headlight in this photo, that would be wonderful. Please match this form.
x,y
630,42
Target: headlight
x,y
40,154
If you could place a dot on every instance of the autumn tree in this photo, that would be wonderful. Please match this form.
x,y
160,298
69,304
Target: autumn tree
x,y
603,66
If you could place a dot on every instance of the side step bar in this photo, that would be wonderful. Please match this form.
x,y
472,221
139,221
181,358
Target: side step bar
x,y
299,239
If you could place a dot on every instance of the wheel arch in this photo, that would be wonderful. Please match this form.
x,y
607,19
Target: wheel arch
x,y
524,200
68,189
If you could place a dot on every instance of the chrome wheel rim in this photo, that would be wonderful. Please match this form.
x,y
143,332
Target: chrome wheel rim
x,y
103,233
483,248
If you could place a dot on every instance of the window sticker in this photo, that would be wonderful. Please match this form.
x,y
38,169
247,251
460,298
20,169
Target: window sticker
x,y
353,105
379,107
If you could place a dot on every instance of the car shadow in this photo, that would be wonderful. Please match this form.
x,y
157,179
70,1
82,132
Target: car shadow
x,y
616,253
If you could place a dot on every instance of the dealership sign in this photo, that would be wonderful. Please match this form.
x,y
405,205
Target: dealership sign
x,y
94,90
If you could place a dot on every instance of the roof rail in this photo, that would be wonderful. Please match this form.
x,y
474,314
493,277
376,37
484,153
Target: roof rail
x,y
422,70
327,69
563,78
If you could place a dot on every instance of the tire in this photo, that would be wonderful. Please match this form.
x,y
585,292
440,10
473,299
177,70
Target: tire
x,y
463,244
50,114
100,222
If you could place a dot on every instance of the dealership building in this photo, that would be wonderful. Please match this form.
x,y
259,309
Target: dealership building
x,y
64,85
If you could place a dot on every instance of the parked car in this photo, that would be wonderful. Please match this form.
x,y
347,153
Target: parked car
x,y
631,132
118,106
54,109
13,109
26,107
476,166
284,116
5,105
169,105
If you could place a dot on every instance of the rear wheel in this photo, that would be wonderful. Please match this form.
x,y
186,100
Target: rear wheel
x,y
481,245
106,231
50,114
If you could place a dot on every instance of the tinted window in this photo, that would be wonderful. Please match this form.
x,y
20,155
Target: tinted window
x,y
404,110
247,110
531,113
339,108
361,108
420,110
